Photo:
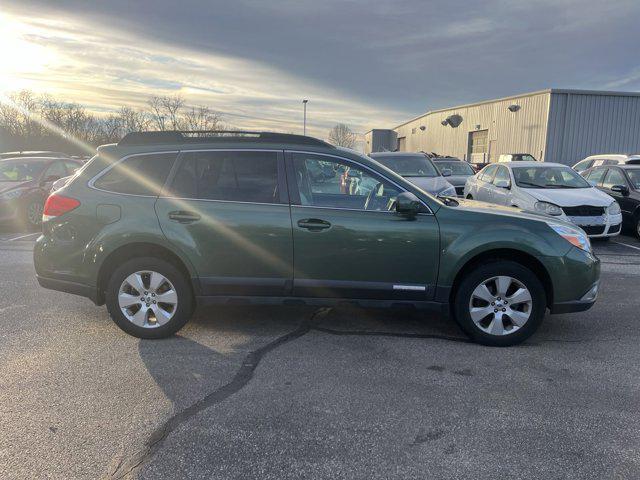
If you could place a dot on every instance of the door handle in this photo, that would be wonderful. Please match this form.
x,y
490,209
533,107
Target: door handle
x,y
181,216
314,224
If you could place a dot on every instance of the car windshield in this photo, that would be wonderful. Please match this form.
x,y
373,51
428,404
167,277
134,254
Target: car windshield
x,y
457,167
20,170
548,177
409,166
634,176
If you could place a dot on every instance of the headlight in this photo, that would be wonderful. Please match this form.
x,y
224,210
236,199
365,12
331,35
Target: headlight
x,y
613,209
575,236
12,194
448,192
548,208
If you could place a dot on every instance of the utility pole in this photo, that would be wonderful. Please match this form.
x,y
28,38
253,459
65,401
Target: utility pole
x,y
304,124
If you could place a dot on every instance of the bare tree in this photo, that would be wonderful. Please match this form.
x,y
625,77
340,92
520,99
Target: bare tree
x,y
172,106
201,118
157,112
132,120
342,136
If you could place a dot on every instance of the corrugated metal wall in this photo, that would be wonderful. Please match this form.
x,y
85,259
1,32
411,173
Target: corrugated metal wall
x,y
583,124
524,131
380,140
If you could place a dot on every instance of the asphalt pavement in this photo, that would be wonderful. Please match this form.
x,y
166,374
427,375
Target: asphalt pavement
x,y
289,392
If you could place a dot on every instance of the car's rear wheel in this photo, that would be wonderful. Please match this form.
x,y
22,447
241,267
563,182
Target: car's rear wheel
x,y
501,303
32,213
638,227
149,298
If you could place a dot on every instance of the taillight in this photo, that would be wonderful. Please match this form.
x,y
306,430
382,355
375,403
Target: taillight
x,y
57,205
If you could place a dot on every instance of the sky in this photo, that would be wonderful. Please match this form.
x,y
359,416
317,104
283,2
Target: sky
x,y
368,64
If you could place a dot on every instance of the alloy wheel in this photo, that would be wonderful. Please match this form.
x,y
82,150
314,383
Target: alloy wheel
x,y
500,305
34,213
147,299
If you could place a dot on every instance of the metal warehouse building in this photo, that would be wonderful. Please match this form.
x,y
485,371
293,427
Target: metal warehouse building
x,y
553,125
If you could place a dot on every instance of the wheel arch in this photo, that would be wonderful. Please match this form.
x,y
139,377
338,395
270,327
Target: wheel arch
x,y
525,259
133,250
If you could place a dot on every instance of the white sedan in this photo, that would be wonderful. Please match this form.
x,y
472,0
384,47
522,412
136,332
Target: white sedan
x,y
550,188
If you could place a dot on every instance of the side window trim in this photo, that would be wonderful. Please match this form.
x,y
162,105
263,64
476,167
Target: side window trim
x,y
104,171
282,183
294,194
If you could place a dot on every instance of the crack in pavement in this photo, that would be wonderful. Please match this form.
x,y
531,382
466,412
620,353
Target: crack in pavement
x,y
125,467
239,380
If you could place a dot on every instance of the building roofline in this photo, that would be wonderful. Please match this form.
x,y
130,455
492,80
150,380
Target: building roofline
x,y
523,95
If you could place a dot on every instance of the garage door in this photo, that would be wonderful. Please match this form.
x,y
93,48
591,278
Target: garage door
x,y
478,146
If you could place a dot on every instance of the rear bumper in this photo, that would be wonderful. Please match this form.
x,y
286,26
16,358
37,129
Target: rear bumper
x,y
69,287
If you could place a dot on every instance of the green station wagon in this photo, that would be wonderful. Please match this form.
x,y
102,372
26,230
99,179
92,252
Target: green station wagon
x,y
163,221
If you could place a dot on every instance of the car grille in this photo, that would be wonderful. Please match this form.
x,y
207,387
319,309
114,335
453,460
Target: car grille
x,y
460,190
593,229
583,211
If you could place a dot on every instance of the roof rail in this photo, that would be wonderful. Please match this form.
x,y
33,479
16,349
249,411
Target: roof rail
x,y
212,136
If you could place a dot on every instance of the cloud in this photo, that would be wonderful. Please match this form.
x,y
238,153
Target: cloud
x,y
367,64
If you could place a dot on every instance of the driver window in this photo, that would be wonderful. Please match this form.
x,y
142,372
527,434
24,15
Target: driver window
x,y
502,174
327,182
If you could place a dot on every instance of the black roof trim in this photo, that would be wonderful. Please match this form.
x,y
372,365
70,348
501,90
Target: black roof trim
x,y
213,136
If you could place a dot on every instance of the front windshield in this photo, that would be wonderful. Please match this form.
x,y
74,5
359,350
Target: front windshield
x,y
457,167
20,170
409,166
548,177
634,176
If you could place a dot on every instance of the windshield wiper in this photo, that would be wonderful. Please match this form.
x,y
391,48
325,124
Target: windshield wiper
x,y
531,184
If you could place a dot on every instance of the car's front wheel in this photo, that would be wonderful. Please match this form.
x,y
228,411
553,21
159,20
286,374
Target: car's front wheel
x,y
149,298
500,303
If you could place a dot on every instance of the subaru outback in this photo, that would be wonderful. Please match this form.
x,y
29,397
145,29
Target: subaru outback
x,y
164,221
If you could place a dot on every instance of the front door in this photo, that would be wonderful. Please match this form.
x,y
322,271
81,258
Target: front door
x,y
347,239
228,212
501,195
615,176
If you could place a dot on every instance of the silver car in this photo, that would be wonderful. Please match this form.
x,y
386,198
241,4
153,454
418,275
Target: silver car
x,y
419,170
549,188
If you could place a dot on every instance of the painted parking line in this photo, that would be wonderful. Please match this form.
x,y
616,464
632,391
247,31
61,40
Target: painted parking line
x,y
627,245
22,236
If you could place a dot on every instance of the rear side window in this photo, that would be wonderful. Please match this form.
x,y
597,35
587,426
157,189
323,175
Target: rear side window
x,y
230,176
138,175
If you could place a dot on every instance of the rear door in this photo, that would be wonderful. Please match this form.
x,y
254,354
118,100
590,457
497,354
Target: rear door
x,y
348,241
228,212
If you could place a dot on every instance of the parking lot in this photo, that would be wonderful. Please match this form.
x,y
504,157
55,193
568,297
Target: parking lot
x,y
287,392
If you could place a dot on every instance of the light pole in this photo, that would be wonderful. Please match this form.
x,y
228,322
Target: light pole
x,y
304,123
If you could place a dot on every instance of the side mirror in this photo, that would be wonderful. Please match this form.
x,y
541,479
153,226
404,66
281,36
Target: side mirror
x,y
408,205
622,189
503,184
446,172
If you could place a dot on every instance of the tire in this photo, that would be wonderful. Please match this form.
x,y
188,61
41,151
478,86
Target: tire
x,y
637,230
31,213
137,275
514,331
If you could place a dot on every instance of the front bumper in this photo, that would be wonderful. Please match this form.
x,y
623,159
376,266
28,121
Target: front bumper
x,y
585,303
599,227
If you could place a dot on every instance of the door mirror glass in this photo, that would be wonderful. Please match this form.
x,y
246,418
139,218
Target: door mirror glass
x,y
622,189
446,172
407,204
501,183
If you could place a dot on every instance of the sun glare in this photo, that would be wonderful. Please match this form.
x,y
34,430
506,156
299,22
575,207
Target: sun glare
x,y
20,57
